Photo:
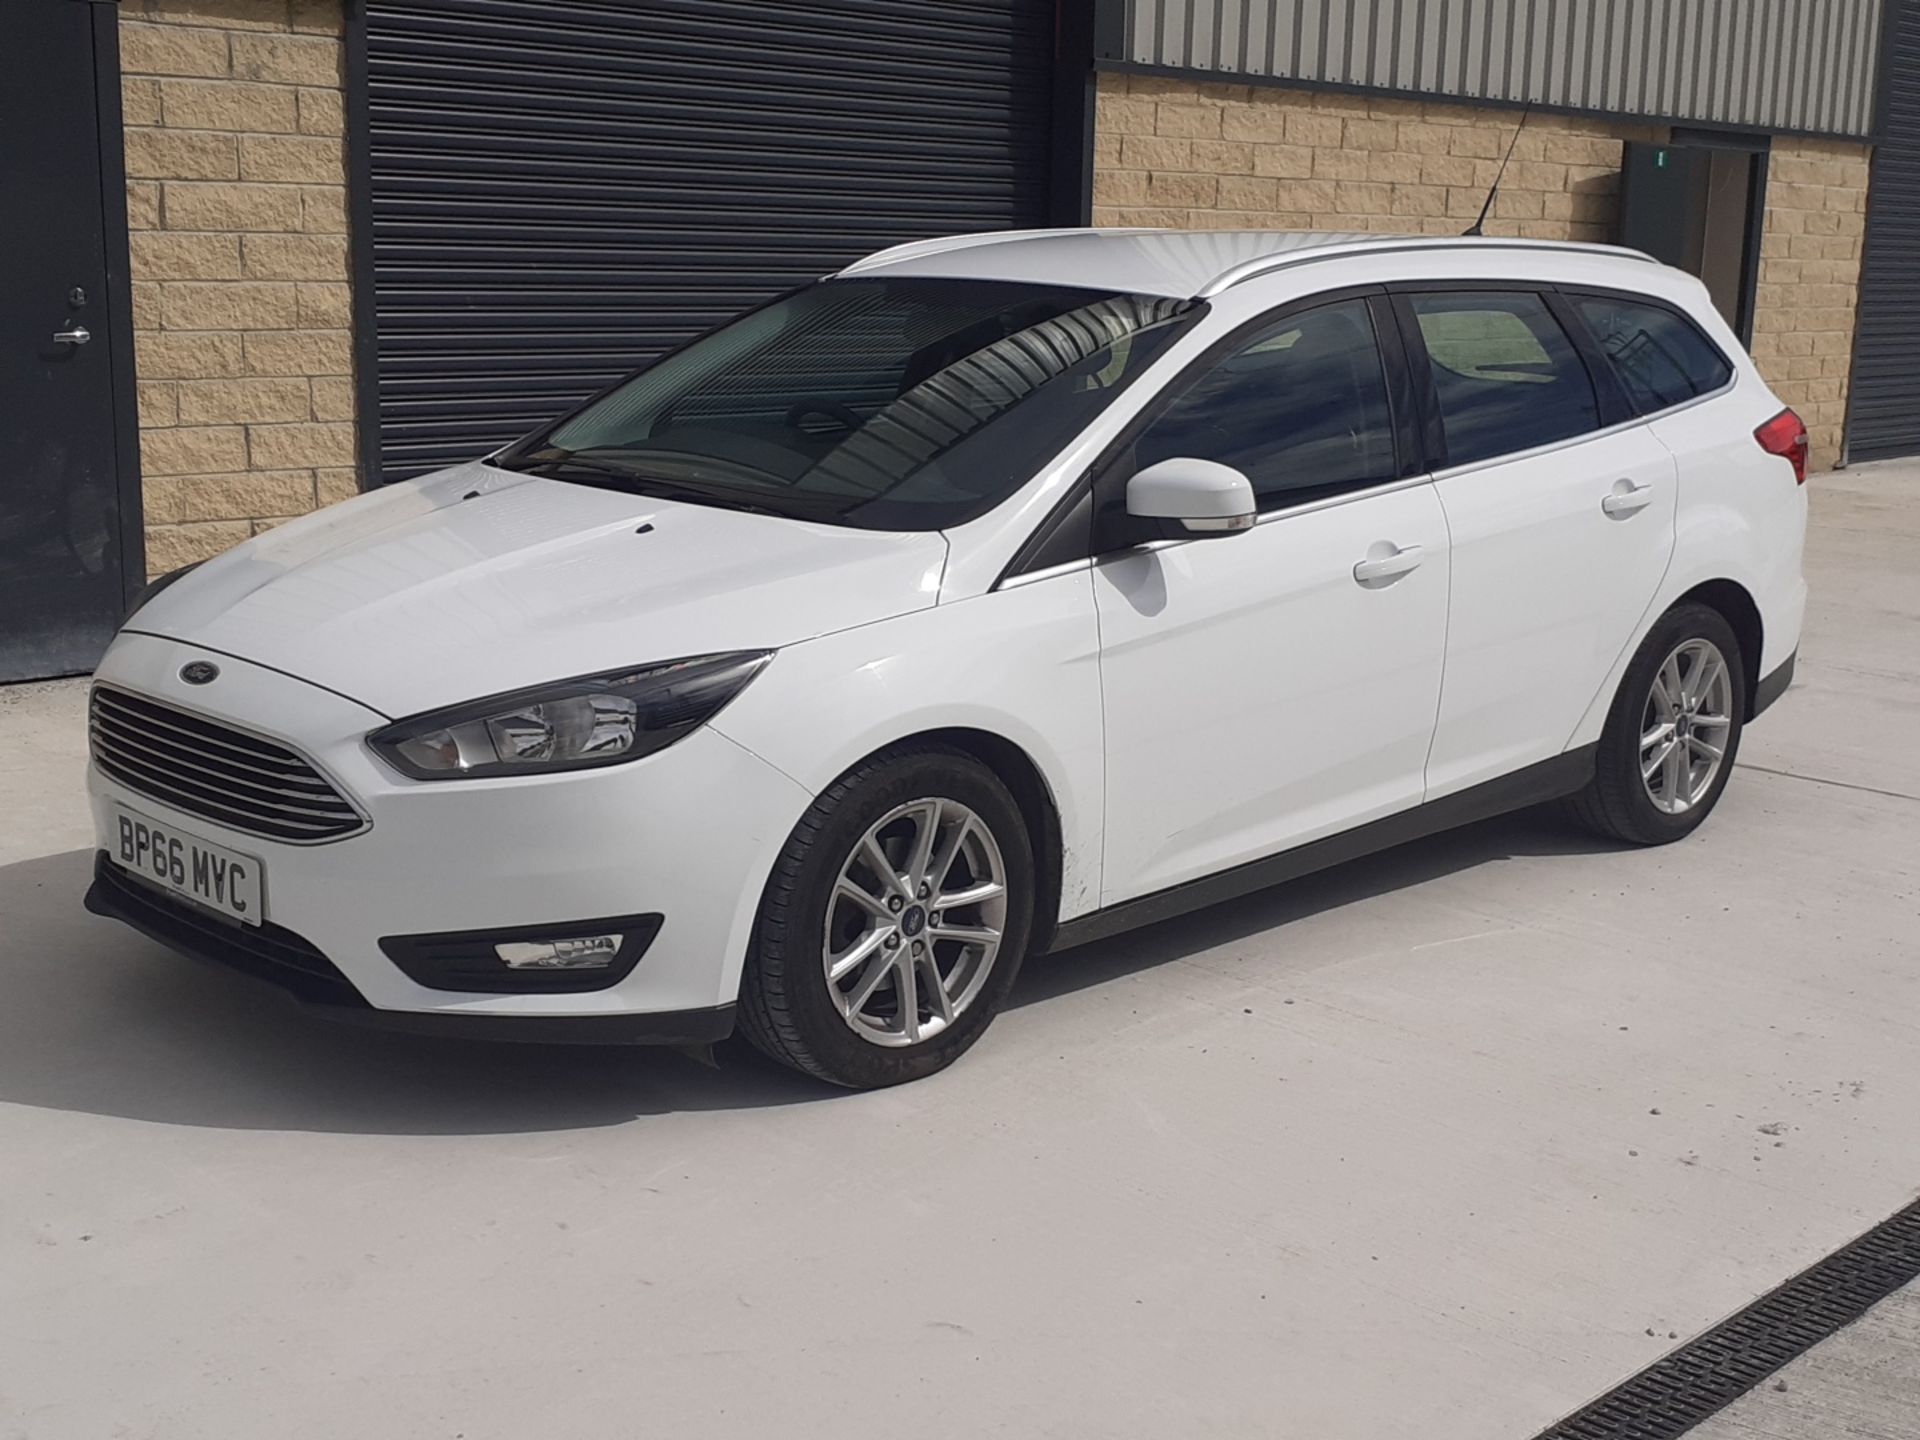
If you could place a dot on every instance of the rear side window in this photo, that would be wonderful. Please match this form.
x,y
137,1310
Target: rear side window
x,y
1300,409
1505,373
1661,357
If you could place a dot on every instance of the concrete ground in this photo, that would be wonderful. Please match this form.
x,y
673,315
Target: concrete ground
x,y
1863,1384
1438,1145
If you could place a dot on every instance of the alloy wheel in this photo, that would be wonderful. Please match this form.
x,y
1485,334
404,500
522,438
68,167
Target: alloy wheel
x,y
915,921
1686,725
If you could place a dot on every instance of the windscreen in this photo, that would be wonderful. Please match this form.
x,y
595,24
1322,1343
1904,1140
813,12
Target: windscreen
x,y
890,404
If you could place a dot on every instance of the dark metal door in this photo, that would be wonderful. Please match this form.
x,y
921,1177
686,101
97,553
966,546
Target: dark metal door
x,y
1884,420
1698,203
63,566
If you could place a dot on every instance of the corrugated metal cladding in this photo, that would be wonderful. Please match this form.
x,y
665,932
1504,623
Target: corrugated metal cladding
x,y
1776,64
563,189
1884,419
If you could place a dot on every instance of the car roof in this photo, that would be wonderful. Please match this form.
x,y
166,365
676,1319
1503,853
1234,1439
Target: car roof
x,y
1184,264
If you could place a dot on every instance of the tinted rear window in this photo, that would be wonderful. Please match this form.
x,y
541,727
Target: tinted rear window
x,y
1661,357
1505,373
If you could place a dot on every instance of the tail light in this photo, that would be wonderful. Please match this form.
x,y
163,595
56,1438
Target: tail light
x,y
1786,437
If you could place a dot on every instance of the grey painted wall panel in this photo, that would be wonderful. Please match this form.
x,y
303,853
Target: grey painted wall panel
x,y
1807,65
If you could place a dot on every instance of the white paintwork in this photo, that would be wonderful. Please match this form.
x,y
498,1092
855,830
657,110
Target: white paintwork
x,y
1548,589
1201,263
1258,695
1187,705
412,597
1202,493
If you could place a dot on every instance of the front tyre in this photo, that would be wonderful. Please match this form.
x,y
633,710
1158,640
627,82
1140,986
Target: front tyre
x,y
894,922
1672,734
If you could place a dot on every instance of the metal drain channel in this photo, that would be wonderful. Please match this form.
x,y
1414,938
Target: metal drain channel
x,y
1711,1371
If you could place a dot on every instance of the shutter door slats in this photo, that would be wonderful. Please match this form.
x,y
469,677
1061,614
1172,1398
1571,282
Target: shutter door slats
x,y
563,189
1884,419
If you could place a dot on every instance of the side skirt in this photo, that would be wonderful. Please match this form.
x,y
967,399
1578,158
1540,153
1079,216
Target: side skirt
x,y
1548,780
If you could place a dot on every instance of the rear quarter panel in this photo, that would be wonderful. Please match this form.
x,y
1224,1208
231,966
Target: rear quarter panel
x,y
1741,517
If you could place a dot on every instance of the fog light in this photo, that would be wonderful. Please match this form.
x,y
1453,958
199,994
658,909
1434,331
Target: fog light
x,y
583,952
555,957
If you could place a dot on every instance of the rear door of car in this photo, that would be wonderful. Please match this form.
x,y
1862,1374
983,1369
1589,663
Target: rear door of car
x,y
1560,505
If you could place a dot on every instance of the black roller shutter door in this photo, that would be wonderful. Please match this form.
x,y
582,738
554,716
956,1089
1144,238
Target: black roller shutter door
x,y
1884,417
562,189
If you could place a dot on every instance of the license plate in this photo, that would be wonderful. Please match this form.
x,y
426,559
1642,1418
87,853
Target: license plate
x,y
207,874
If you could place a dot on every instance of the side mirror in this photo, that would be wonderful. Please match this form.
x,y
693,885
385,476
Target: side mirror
x,y
1199,497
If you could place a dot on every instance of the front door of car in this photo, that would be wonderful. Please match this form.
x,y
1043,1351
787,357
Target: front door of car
x,y
1265,688
1562,525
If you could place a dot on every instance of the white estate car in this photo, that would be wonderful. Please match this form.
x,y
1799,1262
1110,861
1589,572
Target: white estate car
x,y
985,598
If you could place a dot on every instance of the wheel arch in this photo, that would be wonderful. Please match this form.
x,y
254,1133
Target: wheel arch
x,y
1022,775
1737,607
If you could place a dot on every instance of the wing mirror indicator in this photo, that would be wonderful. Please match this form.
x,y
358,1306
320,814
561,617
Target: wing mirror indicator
x,y
1194,497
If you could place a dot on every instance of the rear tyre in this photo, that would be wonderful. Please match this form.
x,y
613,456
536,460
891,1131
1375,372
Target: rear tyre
x,y
894,922
1672,734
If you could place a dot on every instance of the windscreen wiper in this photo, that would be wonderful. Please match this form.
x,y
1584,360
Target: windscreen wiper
x,y
563,467
560,467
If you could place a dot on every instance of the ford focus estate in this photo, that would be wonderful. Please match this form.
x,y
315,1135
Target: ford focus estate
x,y
987,597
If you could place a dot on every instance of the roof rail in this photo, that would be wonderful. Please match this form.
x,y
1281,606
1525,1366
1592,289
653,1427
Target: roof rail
x,y
940,244
1391,244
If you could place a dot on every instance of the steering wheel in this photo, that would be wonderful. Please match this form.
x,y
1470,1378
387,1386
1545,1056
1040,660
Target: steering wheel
x,y
831,409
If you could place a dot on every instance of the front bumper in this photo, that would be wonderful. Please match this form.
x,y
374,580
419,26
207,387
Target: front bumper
x,y
689,833
279,957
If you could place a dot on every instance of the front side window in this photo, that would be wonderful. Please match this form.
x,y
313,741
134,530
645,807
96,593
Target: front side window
x,y
892,404
1505,373
1662,359
1300,409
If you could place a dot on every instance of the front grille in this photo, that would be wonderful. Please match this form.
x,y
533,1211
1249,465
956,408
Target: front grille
x,y
205,768
268,952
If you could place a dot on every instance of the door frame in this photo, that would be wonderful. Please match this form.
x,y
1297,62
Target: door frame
x,y
116,249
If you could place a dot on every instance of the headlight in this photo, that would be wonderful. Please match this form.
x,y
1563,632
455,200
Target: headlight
x,y
572,725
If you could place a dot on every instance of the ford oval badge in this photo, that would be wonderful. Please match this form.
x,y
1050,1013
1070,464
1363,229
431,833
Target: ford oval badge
x,y
199,672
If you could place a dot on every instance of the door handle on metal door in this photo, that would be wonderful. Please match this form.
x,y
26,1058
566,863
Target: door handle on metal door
x,y
1396,561
73,335
1627,497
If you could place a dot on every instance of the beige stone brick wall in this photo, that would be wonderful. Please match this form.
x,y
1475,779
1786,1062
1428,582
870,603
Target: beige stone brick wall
x,y
1803,318
236,199
1206,155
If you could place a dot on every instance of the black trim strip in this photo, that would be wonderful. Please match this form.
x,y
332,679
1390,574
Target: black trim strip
x,y
1548,780
1116,65
1609,391
1070,186
1711,1371
1772,687
1430,431
1760,167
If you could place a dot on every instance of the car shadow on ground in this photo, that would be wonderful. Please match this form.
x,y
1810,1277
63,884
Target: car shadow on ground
x,y
1540,831
100,1020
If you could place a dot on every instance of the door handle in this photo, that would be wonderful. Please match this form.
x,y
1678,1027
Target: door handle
x,y
72,335
1626,498
1397,561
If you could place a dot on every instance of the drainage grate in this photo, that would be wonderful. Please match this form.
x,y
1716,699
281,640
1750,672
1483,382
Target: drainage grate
x,y
1710,1372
